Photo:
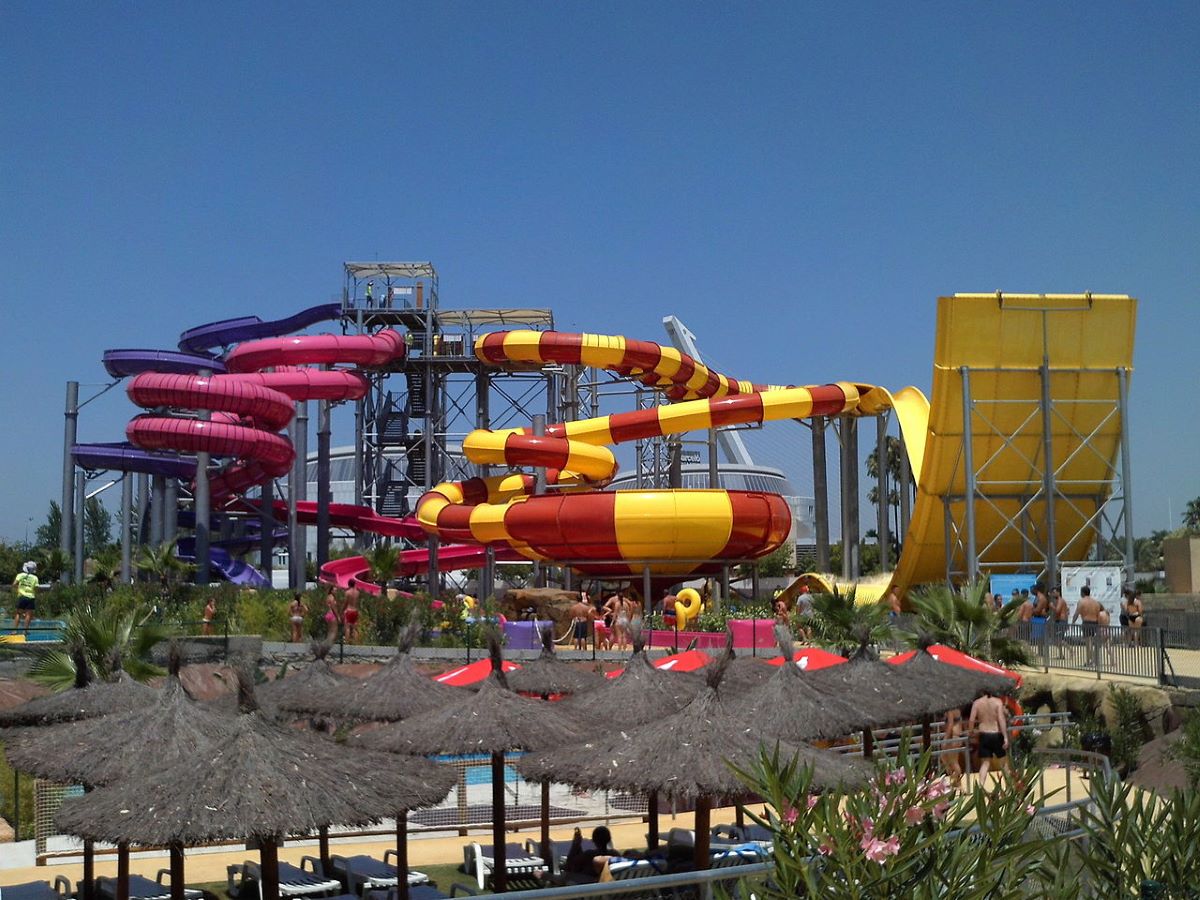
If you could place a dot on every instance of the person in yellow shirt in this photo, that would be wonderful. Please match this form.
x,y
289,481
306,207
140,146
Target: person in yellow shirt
x,y
25,585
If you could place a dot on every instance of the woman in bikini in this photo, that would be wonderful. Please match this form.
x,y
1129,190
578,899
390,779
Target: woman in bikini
x,y
296,613
333,616
350,613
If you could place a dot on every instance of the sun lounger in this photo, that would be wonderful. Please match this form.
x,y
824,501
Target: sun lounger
x,y
521,867
37,890
361,873
293,881
142,888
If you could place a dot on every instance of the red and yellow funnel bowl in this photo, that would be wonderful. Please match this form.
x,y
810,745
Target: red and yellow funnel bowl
x,y
673,532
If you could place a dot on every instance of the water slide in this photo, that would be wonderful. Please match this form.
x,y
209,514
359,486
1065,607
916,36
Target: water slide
x,y
411,563
673,532
998,337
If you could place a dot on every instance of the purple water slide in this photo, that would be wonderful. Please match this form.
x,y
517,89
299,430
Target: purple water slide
x,y
122,457
233,569
123,363
249,328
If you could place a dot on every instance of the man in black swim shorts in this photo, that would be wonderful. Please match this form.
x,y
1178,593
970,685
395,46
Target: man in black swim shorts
x,y
989,721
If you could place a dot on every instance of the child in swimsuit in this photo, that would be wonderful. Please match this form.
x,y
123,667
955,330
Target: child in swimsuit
x,y
333,616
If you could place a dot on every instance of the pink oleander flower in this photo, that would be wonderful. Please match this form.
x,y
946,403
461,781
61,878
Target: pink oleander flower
x,y
825,849
878,851
812,800
790,815
937,788
868,826
1031,810
896,776
939,809
914,814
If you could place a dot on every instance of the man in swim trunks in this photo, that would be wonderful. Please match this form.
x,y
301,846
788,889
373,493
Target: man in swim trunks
x,y
582,616
25,585
612,617
1061,613
210,613
989,722
1088,609
350,611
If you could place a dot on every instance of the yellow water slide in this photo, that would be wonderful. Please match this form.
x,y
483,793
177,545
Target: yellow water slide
x,y
1003,340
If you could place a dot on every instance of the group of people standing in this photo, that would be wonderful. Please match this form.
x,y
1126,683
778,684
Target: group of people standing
x,y
609,622
339,613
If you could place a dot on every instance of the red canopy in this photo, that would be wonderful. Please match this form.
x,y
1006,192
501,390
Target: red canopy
x,y
953,657
472,673
687,661
810,659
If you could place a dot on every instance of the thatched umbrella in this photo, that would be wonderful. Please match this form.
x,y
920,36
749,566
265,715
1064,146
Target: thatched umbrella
x,y
684,757
396,691
550,675
257,783
317,677
493,720
172,729
790,707
88,699
639,695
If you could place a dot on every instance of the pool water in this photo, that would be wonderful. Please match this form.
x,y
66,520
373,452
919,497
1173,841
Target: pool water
x,y
40,630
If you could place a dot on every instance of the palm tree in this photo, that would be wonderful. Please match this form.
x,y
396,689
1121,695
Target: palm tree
x,y
965,620
162,564
106,574
838,623
382,560
108,640
1191,516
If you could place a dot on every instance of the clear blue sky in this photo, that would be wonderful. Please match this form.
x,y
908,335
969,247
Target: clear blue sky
x,y
799,182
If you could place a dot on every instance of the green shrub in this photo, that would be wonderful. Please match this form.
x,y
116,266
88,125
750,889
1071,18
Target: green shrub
x,y
906,835
1130,730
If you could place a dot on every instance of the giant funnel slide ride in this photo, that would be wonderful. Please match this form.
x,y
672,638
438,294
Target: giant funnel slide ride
x,y
671,532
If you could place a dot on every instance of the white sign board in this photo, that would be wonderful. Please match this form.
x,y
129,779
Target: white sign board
x,y
1104,581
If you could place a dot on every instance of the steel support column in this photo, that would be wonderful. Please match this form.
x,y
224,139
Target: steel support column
x,y
1049,487
970,491
882,525
820,493
201,506
80,507
851,568
127,528
66,532
324,489
1126,476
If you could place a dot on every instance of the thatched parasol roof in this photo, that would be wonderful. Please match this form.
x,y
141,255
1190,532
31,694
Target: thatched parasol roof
x,y
124,745
748,672
258,781
396,691
890,695
550,675
684,756
791,707
638,695
317,677
86,700
950,686
491,720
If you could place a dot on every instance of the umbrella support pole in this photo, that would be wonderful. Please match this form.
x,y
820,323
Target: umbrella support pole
x,y
123,871
868,743
926,734
500,871
402,854
268,855
323,848
739,816
546,849
703,823
652,821
176,864
89,871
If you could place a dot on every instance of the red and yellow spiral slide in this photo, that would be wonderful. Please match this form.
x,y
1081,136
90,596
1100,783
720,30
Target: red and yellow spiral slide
x,y
673,532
